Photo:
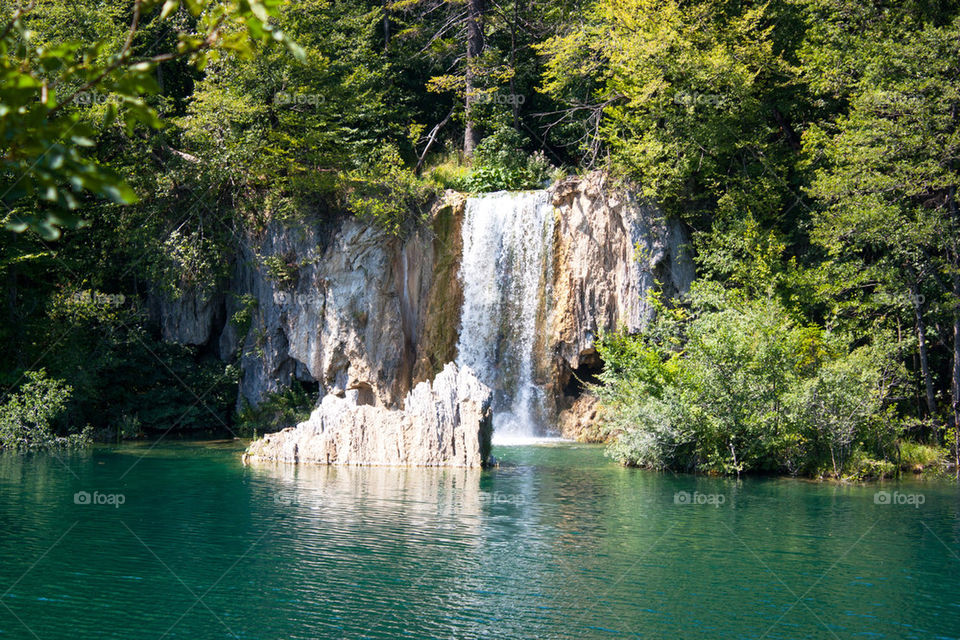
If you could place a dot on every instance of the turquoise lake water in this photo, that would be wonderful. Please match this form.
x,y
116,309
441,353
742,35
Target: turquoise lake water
x,y
180,540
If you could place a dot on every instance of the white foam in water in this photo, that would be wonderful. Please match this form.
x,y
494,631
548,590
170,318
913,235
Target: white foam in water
x,y
507,244
508,440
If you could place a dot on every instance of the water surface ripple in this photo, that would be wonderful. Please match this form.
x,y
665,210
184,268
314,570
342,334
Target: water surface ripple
x,y
556,543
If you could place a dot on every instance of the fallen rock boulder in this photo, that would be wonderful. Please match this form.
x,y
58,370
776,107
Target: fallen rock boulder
x,y
447,422
579,422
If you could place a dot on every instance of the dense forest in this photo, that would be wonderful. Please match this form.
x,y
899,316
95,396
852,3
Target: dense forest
x,y
810,146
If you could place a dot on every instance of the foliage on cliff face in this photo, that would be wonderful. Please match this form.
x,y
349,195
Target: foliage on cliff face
x,y
384,192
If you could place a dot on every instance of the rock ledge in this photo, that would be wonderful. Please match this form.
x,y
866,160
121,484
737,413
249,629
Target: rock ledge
x,y
444,423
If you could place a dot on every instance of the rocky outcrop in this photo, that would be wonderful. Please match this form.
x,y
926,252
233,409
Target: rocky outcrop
x,y
327,310
437,317
444,423
609,250
342,305
193,317
579,422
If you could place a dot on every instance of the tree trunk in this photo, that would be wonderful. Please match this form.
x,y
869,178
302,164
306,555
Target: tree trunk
x,y
955,249
955,382
788,132
922,347
955,385
514,102
386,26
474,48
430,140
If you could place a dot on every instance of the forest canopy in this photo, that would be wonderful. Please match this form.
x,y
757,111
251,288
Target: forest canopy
x,y
810,146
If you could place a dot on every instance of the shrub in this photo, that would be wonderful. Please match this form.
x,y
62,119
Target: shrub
x,y
384,191
28,417
285,408
731,384
865,468
916,457
283,270
500,163
447,171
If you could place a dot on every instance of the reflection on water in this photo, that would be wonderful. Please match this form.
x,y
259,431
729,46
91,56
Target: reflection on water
x,y
507,440
417,498
555,543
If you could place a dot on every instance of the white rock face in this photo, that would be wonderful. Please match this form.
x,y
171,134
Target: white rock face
x,y
363,313
444,423
192,318
609,248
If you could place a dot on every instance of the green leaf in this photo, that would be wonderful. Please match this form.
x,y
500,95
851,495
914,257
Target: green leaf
x,y
169,7
121,193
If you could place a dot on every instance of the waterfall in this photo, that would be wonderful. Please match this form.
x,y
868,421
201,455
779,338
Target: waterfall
x,y
506,273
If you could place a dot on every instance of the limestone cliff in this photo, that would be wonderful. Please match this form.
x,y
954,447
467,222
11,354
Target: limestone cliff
x,y
609,248
343,305
350,309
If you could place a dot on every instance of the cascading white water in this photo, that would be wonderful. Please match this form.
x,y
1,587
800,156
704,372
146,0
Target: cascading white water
x,y
506,275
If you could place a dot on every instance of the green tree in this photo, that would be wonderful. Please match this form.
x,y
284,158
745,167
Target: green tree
x,y
886,170
28,417
683,97
45,171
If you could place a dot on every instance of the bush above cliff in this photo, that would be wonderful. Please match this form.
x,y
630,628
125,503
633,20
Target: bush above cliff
x,y
501,164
